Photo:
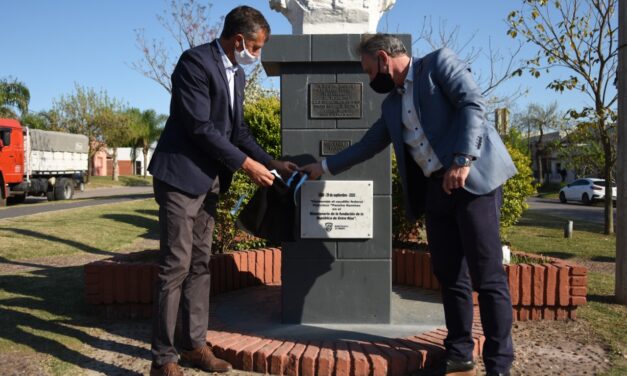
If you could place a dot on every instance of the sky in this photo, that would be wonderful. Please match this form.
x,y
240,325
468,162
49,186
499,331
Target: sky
x,y
52,45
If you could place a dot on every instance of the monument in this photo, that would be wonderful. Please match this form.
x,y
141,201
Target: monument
x,y
340,269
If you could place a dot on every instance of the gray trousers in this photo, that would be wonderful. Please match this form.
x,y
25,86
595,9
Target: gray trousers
x,y
186,224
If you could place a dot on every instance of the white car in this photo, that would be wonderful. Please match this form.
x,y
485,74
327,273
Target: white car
x,y
586,190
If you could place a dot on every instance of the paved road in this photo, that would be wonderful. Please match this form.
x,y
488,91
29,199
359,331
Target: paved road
x,y
35,205
573,210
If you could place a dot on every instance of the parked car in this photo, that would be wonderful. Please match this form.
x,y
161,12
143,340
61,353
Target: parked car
x,y
586,190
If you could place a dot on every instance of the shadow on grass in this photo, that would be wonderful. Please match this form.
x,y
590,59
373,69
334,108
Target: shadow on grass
x,y
605,299
150,224
603,258
532,218
40,309
559,255
72,243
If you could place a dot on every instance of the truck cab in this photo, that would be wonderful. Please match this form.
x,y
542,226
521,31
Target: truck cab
x,y
11,155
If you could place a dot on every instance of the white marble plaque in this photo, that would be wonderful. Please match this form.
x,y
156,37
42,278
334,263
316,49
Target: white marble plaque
x,y
336,210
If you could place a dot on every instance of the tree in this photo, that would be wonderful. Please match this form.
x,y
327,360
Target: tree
x,y
579,38
538,119
46,120
502,66
582,151
116,132
148,130
189,24
84,112
14,96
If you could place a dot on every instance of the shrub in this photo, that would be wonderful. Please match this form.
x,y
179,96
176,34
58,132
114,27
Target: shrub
x,y
263,116
403,230
516,190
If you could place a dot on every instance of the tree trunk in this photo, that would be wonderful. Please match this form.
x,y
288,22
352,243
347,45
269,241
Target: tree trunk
x,y
145,166
608,203
539,162
116,173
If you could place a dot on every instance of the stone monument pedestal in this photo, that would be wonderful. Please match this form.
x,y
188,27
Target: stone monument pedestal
x,y
327,105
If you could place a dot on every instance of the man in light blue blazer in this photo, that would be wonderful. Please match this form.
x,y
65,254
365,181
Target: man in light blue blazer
x,y
452,164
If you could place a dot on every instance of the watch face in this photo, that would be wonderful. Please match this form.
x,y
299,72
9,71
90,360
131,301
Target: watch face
x,y
461,160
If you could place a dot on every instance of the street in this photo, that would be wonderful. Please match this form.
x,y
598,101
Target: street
x,y
574,211
35,205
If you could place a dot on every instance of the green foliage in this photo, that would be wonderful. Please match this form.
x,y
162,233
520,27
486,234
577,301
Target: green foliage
x,y
403,229
14,95
516,190
263,116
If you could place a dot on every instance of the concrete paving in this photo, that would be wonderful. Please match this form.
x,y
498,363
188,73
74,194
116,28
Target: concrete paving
x,y
257,311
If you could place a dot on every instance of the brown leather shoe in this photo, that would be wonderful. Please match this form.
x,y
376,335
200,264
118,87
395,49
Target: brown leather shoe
x,y
204,359
168,369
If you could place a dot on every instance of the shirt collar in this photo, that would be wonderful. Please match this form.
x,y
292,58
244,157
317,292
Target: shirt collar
x,y
228,65
410,71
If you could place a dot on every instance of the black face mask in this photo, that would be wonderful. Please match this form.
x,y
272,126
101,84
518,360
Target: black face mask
x,y
382,82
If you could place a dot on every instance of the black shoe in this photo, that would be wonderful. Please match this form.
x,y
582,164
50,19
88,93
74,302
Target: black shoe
x,y
459,366
497,374
450,367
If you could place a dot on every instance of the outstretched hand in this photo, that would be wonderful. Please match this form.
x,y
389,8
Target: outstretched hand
x,y
258,173
314,170
284,168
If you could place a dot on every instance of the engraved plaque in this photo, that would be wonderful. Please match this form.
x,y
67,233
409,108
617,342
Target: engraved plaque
x,y
336,210
332,147
335,100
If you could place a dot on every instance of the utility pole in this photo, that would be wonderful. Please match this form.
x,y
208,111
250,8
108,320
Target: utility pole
x,y
621,179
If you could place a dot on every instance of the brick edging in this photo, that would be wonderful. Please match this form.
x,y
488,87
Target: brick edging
x,y
549,290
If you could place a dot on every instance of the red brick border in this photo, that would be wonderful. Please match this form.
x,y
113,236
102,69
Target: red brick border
x,y
123,287
549,290
394,357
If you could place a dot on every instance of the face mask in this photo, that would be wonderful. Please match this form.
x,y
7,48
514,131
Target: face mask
x,y
382,82
245,57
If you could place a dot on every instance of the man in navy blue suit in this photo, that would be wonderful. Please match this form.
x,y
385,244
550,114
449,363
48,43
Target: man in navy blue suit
x,y
204,142
452,164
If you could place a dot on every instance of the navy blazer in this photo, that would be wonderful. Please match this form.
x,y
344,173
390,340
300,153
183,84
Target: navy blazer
x,y
203,138
451,111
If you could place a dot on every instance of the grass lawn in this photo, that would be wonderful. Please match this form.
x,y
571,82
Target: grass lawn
x,y
43,311
125,181
544,235
93,230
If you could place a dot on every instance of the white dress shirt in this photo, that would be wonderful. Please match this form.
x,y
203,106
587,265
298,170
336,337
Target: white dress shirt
x,y
230,73
413,135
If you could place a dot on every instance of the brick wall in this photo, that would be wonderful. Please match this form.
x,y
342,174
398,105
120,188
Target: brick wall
x,y
549,290
124,287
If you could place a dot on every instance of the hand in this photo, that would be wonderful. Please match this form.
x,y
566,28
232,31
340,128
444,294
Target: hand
x,y
284,168
455,178
258,173
314,170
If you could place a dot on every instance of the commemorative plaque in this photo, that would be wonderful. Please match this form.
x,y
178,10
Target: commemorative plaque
x,y
335,100
336,210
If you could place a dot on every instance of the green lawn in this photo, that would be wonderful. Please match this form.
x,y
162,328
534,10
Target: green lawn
x,y
95,230
124,181
544,235
43,311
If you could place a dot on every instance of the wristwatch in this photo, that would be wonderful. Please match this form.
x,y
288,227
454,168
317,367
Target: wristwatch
x,y
462,160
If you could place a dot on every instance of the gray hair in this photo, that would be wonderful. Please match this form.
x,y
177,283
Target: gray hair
x,y
372,43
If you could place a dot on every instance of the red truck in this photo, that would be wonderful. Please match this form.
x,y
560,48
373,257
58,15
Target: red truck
x,y
36,162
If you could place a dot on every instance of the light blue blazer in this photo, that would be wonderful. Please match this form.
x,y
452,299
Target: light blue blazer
x,y
451,110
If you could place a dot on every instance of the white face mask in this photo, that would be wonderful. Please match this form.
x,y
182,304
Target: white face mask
x,y
245,57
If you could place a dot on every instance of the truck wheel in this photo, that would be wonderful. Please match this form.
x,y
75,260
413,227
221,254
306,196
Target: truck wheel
x,y
17,199
64,189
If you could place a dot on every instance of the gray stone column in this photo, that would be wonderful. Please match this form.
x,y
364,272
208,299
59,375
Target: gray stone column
x,y
335,281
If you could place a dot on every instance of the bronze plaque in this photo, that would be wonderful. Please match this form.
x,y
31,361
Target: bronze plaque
x,y
335,100
332,147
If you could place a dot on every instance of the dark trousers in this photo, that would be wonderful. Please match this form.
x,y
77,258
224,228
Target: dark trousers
x,y
465,246
186,224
